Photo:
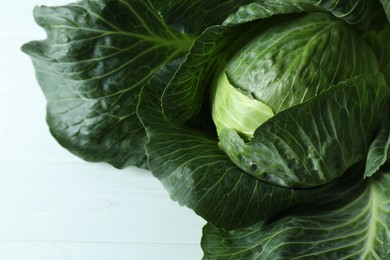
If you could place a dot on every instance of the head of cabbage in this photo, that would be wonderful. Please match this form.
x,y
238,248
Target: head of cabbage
x,y
285,65
289,67
270,119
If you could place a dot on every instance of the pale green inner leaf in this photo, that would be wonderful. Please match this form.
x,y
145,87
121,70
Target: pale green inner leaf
x,y
233,109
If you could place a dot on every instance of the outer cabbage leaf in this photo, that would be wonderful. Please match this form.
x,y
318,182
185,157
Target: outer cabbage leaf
x,y
194,16
197,173
260,9
304,146
183,96
378,39
91,67
386,7
379,151
360,14
351,221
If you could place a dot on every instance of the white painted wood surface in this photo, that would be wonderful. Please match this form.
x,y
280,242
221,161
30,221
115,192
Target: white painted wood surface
x,y
54,206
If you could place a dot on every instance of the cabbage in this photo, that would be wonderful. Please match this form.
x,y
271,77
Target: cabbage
x,y
269,119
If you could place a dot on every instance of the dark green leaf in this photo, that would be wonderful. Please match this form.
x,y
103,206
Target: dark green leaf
x,y
386,7
91,69
261,9
351,221
360,14
378,39
182,98
189,89
194,16
379,152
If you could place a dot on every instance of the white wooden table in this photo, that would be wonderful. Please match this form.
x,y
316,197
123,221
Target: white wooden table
x,y
54,206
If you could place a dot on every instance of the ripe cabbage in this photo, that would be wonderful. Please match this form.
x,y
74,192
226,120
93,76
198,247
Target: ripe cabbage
x,y
270,119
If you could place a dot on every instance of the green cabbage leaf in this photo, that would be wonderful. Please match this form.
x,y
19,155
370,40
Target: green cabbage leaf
x,y
350,221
